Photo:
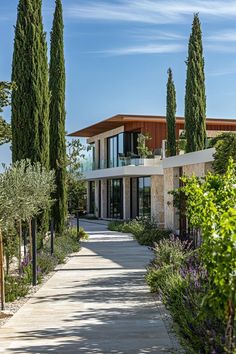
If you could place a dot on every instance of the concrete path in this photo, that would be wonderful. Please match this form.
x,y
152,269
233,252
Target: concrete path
x,y
97,303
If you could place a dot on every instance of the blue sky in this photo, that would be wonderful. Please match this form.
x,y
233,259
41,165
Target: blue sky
x,y
118,52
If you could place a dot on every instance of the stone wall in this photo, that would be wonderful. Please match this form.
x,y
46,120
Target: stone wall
x,y
157,199
171,181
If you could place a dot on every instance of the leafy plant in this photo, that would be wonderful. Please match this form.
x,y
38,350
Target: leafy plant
x,y
5,100
144,230
180,278
211,207
142,147
225,145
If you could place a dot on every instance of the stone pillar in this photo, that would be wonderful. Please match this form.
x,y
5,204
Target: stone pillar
x,y
103,198
103,152
126,198
157,199
171,181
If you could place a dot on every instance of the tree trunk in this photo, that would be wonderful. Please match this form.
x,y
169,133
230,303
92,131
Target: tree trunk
x,y
229,333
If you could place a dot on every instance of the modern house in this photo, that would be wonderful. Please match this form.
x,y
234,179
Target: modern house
x,y
121,185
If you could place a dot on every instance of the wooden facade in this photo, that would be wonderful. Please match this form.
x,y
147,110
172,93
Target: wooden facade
x,y
154,125
157,130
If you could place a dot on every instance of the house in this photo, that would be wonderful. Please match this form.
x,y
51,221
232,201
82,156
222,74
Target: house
x,y
121,185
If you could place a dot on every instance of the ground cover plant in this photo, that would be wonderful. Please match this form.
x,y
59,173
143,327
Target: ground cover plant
x,y
144,230
178,276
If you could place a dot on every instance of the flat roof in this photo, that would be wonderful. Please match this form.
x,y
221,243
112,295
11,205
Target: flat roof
x,y
120,119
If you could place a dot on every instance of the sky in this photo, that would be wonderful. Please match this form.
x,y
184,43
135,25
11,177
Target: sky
x,y
118,52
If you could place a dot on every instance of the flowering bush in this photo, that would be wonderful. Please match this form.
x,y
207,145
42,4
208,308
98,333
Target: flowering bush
x,y
181,280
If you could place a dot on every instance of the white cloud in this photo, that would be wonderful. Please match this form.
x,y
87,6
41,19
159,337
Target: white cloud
x,y
220,48
151,35
228,35
156,48
150,11
222,72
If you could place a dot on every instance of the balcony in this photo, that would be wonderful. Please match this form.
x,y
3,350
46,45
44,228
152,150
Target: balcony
x,y
90,165
125,166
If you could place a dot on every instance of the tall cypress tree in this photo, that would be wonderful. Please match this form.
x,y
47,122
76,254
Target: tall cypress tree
x,y
170,115
195,97
30,102
57,118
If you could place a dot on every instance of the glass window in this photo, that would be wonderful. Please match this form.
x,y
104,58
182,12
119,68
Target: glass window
x,y
92,197
115,199
144,196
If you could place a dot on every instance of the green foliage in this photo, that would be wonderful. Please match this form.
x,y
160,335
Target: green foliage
x,y
46,263
10,244
30,102
142,147
182,282
5,99
195,97
25,191
225,145
57,119
211,206
170,115
145,231
15,287
76,186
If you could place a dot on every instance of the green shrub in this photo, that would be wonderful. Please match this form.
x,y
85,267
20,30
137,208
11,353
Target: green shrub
x,y
171,251
63,246
46,263
181,280
15,287
144,230
72,233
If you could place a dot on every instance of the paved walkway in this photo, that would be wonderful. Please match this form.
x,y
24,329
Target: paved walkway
x,y
97,303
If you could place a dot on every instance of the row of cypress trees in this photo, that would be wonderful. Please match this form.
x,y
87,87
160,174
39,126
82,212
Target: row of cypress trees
x,y
195,97
38,103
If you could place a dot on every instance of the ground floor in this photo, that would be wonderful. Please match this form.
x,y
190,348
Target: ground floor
x,y
132,196
127,198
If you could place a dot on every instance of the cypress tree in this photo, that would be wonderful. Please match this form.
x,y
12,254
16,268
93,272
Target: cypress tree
x,y
170,115
30,101
195,97
57,118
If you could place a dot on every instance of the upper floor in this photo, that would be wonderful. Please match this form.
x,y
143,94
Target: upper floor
x,y
113,143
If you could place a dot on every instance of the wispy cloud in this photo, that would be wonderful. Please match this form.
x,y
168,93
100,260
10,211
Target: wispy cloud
x,y
150,11
151,35
156,48
222,72
220,48
228,35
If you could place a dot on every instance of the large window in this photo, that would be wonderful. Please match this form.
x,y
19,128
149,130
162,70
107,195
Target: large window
x,y
115,199
144,196
92,197
121,146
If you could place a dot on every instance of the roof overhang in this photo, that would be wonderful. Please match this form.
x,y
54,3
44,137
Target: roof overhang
x,y
121,119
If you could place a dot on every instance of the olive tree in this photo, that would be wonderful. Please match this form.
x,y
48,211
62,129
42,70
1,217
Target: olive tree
x,y
25,192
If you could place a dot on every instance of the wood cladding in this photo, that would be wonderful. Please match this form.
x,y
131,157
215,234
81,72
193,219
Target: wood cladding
x,y
157,130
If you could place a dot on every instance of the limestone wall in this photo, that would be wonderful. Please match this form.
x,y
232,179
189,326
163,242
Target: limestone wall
x,y
171,181
157,199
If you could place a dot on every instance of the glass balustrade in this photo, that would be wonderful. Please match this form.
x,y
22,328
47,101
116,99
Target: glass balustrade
x,y
89,165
